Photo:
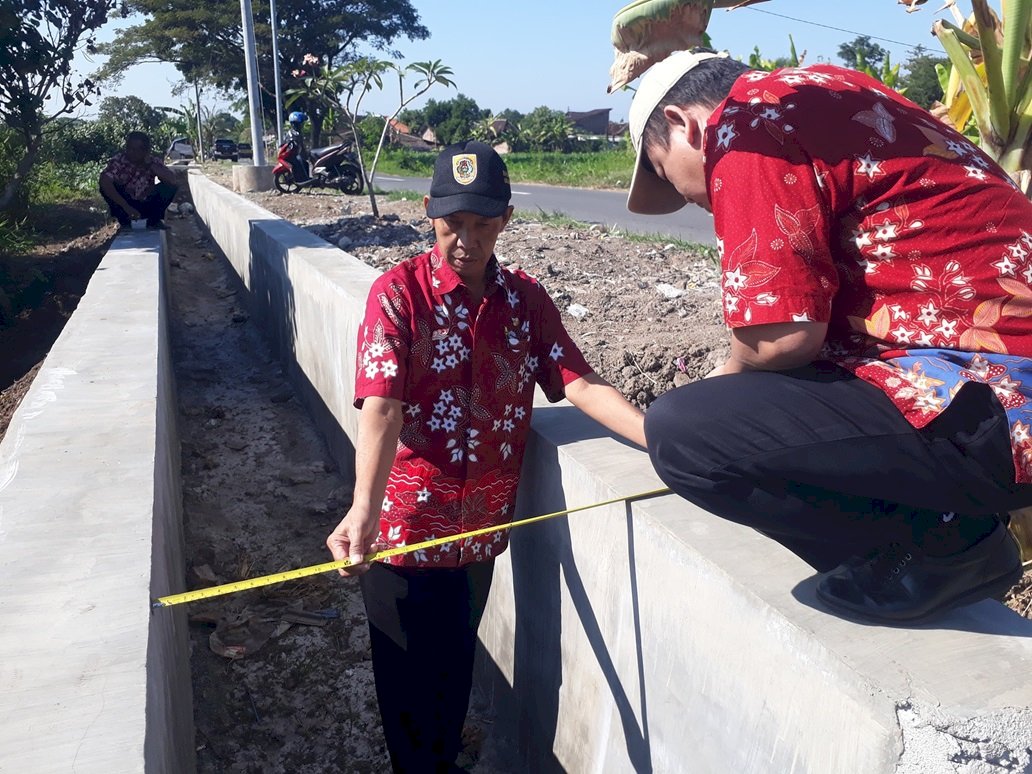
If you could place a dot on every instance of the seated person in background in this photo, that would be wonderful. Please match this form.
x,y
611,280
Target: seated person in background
x,y
127,183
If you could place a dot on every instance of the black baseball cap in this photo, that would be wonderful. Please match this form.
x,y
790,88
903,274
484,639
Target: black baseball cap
x,y
469,177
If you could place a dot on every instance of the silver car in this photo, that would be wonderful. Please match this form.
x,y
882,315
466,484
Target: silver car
x,y
180,149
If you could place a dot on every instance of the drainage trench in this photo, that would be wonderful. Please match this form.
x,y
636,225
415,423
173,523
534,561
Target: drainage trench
x,y
282,677
275,687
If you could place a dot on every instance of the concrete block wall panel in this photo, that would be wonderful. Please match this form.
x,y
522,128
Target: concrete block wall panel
x,y
654,636
90,530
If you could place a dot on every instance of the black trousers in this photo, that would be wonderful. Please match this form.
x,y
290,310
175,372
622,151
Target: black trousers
x,y
423,632
152,208
824,463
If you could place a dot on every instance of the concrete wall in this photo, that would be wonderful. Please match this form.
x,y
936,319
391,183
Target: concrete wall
x,y
90,531
654,636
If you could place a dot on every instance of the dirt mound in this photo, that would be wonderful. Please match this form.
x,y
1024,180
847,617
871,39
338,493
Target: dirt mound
x,y
646,314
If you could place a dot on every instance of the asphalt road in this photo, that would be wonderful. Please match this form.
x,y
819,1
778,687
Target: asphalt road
x,y
692,224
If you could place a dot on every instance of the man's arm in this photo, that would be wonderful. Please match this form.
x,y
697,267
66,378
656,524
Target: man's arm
x,y
602,402
107,185
379,426
773,347
163,173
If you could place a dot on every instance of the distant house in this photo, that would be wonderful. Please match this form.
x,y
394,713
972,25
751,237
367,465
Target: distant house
x,y
593,122
401,136
499,126
617,130
429,135
399,128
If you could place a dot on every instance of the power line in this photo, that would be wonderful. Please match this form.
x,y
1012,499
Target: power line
x,y
841,29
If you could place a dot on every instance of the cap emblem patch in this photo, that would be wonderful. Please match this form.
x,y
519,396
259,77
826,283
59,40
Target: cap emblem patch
x,y
464,168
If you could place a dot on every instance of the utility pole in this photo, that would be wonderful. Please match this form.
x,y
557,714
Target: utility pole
x,y
253,100
275,74
199,151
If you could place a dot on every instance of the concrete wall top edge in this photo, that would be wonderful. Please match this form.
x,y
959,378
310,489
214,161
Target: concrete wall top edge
x,y
76,512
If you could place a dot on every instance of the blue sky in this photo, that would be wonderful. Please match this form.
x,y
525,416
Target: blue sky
x,y
557,53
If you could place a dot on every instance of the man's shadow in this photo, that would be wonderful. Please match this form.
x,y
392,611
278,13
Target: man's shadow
x,y
542,558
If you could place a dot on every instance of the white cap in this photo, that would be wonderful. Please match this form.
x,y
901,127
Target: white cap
x,y
649,194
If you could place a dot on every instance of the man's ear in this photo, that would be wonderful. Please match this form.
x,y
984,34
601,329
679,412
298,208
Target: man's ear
x,y
686,121
426,203
507,215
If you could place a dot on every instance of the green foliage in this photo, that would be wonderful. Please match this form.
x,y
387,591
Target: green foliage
x,y
758,62
921,79
369,129
860,52
204,38
38,40
52,183
544,129
14,238
129,114
452,120
605,169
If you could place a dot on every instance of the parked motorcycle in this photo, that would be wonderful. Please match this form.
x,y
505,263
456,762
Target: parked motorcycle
x,y
334,166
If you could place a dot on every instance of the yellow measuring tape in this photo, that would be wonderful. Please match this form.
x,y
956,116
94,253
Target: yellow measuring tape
x,y
315,569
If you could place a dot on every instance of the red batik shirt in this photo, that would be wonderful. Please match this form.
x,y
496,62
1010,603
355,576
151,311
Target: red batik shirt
x,y
466,382
136,181
837,200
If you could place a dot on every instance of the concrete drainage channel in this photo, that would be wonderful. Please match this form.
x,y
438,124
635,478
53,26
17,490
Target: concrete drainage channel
x,y
648,637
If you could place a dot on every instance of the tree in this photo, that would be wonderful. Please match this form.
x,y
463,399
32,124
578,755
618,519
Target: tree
x,y
38,40
340,92
129,114
430,73
204,40
921,79
546,129
861,50
452,120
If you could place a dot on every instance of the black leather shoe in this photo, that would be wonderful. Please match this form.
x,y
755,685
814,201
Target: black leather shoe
x,y
901,584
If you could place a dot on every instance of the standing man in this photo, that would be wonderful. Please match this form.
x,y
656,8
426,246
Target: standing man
x,y
127,184
450,350
874,414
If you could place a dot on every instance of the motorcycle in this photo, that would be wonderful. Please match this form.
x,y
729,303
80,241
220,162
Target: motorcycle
x,y
334,166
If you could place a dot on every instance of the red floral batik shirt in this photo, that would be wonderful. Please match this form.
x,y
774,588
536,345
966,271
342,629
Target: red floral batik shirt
x,y
135,180
466,380
837,200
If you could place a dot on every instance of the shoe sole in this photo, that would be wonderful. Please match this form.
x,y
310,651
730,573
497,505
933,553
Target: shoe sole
x,y
994,589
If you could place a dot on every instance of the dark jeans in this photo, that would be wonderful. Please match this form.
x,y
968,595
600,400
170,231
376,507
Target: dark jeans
x,y
152,208
423,631
824,463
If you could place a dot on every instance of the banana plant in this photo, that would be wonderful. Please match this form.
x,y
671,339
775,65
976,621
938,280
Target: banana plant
x,y
647,31
991,80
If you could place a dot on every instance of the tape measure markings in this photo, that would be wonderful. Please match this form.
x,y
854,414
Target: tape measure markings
x,y
315,569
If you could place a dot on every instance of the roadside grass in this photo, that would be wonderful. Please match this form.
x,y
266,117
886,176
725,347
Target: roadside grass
x,y
604,169
561,220
400,196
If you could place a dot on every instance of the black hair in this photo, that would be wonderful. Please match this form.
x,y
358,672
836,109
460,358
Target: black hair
x,y
706,84
139,137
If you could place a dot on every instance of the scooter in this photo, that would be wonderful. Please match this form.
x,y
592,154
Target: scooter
x,y
334,166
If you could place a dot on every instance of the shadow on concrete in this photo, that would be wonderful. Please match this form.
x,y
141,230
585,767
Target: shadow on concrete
x,y
986,617
542,559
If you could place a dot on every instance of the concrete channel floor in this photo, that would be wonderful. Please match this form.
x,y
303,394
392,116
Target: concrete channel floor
x,y
260,494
